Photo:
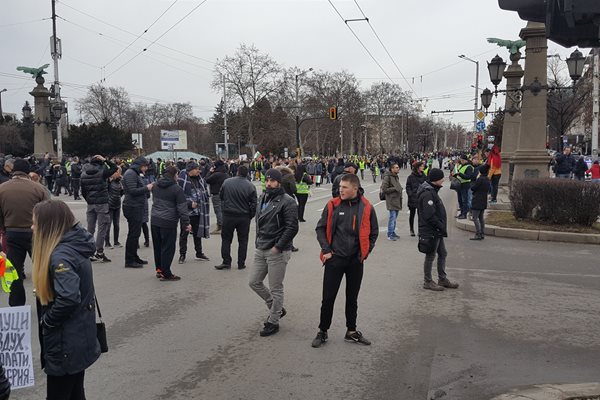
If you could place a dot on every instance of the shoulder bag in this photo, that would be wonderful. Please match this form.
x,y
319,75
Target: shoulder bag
x,y
101,330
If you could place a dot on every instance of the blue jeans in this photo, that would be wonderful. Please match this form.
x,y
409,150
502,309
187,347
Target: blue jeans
x,y
563,176
392,223
463,196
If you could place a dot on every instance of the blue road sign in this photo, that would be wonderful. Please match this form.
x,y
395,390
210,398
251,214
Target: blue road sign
x,y
480,126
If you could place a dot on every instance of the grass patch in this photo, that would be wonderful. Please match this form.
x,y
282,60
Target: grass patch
x,y
507,220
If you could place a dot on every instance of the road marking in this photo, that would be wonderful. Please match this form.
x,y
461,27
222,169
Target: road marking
x,y
527,272
382,201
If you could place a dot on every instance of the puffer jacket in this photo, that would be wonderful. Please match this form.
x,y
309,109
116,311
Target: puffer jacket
x,y
393,191
169,205
94,175
432,213
68,323
413,182
136,192
480,190
115,192
276,221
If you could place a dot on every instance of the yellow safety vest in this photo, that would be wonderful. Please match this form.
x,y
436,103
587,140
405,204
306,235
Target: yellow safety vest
x,y
361,165
462,170
302,186
9,276
263,182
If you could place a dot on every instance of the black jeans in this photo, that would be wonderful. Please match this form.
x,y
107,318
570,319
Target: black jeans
x,y
67,387
183,237
163,243
75,184
335,268
135,216
440,249
241,224
19,245
115,216
146,232
411,218
478,219
495,181
302,199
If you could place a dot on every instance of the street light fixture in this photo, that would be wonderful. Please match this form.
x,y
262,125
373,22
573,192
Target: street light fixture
x,y
575,63
496,69
486,98
26,111
476,89
298,109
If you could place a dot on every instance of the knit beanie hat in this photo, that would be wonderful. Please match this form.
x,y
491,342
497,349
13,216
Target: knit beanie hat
x,y
191,166
273,174
435,174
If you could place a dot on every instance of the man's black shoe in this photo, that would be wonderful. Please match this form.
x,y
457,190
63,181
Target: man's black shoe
x,y
134,265
294,249
140,261
242,266
146,244
269,329
320,339
222,266
182,259
102,257
202,257
356,337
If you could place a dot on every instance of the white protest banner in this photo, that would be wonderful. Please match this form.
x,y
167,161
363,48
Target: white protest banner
x,y
15,345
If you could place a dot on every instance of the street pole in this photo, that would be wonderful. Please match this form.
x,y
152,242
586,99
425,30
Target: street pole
x,y
596,108
298,141
56,54
225,120
1,115
342,138
475,109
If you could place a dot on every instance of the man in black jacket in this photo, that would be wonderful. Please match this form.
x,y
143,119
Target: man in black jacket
x,y
238,200
276,227
75,177
433,227
347,232
215,179
134,204
565,164
94,188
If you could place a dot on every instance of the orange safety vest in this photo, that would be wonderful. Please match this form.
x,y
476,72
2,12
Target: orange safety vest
x,y
365,226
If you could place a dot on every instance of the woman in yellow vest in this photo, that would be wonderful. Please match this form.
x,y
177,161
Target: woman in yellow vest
x,y
303,181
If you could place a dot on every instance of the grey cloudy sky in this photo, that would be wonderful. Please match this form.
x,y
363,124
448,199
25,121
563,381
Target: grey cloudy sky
x,y
424,37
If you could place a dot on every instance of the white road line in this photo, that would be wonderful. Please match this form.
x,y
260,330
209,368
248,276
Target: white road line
x,y
382,201
321,209
527,272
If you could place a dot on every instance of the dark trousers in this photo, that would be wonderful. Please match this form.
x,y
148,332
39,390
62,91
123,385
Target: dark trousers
x,y
50,182
146,232
440,250
241,224
495,182
183,237
75,184
302,199
135,216
163,243
67,387
59,185
411,218
19,245
115,216
464,198
335,268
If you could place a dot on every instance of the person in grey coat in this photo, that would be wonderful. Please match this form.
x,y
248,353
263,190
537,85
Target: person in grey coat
x,y
390,185
169,207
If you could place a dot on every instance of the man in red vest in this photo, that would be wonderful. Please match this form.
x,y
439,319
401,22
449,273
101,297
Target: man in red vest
x,y
346,232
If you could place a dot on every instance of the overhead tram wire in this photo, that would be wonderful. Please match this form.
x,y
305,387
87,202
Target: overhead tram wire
x,y
134,34
385,48
361,42
141,34
24,22
158,38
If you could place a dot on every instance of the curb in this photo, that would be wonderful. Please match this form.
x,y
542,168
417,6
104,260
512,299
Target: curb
x,y
525,234
553,392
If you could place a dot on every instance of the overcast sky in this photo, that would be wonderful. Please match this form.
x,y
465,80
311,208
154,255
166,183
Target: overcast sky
x,y
424,38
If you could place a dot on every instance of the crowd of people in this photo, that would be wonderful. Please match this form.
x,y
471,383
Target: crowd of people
x,y
33,221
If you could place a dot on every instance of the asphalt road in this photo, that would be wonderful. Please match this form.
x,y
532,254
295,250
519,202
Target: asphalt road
x,y
526,313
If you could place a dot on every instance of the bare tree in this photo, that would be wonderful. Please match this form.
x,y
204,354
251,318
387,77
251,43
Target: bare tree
x,y
250,76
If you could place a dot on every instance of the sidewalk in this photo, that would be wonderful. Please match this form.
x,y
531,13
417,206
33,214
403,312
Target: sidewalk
x,y
583,391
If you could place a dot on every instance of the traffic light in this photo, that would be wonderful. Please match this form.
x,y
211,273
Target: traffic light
x,y
568,22
333,113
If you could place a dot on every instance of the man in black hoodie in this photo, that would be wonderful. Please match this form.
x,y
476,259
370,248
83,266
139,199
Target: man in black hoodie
x,y
433,229
215,179
134,203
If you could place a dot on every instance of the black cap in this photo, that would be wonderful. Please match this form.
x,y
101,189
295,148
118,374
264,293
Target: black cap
x,y
21,165
191,166
435,174
273,174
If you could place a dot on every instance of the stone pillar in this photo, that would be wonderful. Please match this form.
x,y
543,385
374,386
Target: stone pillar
x,y
512,115
531,158
42,136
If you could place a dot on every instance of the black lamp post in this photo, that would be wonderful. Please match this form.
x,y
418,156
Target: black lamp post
x,y
26,111
575,63
486,98
496,69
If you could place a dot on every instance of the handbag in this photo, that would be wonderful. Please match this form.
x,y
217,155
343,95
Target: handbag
x,y
426,244
101,331
455,184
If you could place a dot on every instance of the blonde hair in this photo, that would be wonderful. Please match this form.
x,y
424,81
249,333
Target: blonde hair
x,y
52,219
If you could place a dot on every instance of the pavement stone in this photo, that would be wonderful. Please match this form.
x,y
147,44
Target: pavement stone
x,y
553,392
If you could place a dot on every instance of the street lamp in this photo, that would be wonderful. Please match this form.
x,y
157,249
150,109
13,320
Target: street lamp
x,y
476,89
486,98
298,108
1,115
496,69
575,63
26,111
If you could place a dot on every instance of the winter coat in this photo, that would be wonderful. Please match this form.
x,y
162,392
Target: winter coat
x,y
76,171
595,171
564,164
413,182
169,205
136,192
276,220
393,191
238,197
115,191
480,189
580,168
195,190
69,343
94,187
288,182
432,213
216,178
